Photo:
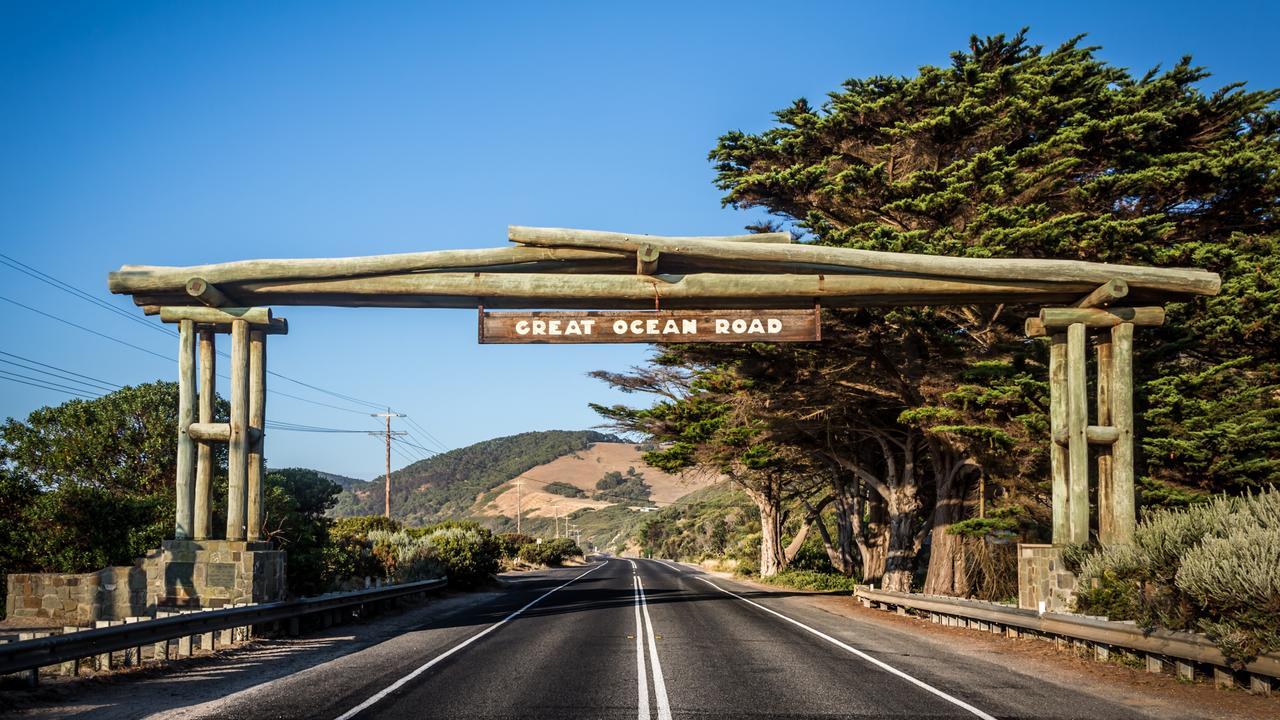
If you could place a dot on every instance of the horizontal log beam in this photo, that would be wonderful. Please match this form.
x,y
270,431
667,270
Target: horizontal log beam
x,y
207,293
647,260
217,432
516,290
1173,280
278,326
1106,294
545,237
1093,434
147,279
216,316
1099,317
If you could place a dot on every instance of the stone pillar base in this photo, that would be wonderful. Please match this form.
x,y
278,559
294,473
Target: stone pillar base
x,y
1042,577
214,573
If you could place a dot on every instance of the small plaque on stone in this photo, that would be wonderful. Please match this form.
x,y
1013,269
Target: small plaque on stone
x,y
221,575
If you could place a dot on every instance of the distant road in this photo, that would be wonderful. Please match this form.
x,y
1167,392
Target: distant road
x,y
648,639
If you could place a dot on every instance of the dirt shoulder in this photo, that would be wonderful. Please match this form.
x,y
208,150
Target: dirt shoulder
x,y
1131,686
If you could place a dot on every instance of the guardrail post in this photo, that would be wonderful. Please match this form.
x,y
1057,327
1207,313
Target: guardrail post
x,y
32,676
102,662
1223,678
1101,652
1186,669
70,667
293,626
184,642
1155,664
162,647
1260,684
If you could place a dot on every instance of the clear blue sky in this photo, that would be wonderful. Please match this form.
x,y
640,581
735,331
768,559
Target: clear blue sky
x,y
166,133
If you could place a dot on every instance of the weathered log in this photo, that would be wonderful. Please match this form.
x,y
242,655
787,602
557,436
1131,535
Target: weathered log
x,y
216,316
1058,459
1093,434
1077,445
257,415
546,236
1122,471
1101,317
1103,459
1173,280
278,326
186,465
204,452
237,443
647,260
1034,328
1106,294
207,293
588,291
216,432
136,279
150,309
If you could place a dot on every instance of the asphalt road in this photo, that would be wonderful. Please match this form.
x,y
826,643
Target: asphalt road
x,y
617,638
647,639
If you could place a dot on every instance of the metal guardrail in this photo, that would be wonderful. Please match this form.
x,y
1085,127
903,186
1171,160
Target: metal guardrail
x,y
37,653
1155,644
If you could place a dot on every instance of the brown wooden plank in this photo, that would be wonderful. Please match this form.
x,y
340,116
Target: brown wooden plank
x,y
662,326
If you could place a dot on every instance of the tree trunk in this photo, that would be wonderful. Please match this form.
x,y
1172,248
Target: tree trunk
x,y
948,574
771,556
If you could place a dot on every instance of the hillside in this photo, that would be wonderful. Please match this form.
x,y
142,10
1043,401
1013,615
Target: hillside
x,y
446,485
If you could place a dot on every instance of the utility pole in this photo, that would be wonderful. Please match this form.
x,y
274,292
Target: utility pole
x,y
555,506
386,510
519,504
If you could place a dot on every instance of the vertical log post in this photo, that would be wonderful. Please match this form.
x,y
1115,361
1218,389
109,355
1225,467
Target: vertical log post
x,y
257,414
1106,487
186,478
1122,476
1058,423
238,446
1077,444
204,450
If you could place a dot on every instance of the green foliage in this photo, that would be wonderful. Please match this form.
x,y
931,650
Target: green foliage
x,y
564,489
618,486
1210,567
446,485
296,500
551,553
812,580
91,481
509,544
714,522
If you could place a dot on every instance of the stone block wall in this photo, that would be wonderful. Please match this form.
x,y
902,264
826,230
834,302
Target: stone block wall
x,y
1042,576
78,598
214,573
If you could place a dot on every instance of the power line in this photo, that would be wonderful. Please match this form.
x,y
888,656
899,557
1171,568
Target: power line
x,y
47,387
89,297
46,384
109,385
81,327
78,293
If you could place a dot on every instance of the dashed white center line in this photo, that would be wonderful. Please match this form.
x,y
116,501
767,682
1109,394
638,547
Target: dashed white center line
x,y
659,683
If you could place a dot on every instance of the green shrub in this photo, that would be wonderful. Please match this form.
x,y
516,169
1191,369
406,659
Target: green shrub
x,y
812,580
549,552
1210,567
510,543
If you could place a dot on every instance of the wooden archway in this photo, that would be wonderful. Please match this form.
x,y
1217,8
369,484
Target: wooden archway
x,y
552,268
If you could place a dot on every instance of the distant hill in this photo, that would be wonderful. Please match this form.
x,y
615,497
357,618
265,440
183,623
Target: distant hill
x,y
342,480
446,485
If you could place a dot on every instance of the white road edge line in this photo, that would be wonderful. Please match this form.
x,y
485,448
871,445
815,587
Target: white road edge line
x,y
878,663
430,663
673,566
642,678
659,684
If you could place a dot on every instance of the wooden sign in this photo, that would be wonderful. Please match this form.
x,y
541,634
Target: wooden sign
x,y
654,326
